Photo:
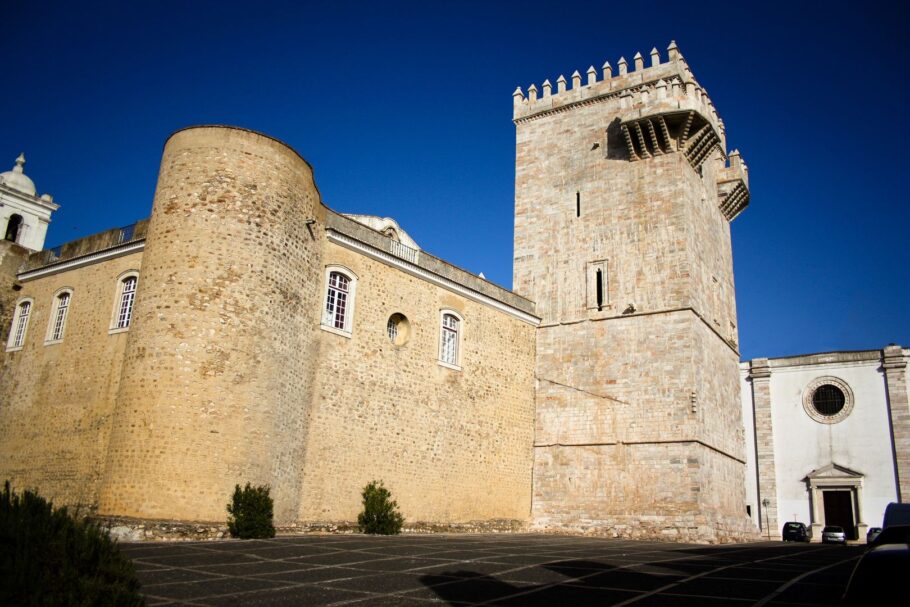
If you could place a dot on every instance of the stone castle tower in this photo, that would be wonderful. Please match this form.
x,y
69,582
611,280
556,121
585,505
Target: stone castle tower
x,y
222,353
623,198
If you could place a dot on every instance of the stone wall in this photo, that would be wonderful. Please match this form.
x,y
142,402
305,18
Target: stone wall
x,y
453,446
57,400
12,258
225,375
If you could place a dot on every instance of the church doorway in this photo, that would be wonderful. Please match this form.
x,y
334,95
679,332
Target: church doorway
x,y
839,511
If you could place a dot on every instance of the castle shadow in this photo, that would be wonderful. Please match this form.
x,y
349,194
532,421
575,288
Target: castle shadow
x,y
576,582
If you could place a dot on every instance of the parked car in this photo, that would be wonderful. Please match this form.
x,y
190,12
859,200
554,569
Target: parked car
x,y
878,576
833,535
795,532
872,534
896,514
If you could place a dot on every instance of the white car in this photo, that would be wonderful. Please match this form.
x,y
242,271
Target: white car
x,y
833,535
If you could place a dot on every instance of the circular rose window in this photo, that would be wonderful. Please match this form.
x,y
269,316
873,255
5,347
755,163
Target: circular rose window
x,y
828,400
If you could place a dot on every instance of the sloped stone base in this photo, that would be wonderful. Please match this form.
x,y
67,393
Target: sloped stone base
x,y
693,529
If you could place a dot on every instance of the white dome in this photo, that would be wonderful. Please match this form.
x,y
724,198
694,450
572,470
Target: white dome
x,y
18,180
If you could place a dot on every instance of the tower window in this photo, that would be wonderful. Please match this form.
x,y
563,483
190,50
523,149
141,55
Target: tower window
x,y
58,317
124,301
450,340
127,298
338,307
12,228
597,294
578,204
20,326
336,301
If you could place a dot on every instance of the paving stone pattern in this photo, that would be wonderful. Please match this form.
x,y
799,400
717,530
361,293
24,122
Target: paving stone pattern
x,y
488,570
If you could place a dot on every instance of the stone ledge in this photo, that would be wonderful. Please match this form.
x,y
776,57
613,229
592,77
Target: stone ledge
x,y
691,529
125,529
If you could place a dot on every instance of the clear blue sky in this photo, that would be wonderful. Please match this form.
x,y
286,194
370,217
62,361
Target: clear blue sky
x,y
404,110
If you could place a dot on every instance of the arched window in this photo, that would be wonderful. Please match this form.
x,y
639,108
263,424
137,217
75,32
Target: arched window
x,y
338,311
450,339
12,227
125,299
20,325
59,311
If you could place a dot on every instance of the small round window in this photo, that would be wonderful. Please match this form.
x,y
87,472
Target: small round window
x,y
398,329
828,400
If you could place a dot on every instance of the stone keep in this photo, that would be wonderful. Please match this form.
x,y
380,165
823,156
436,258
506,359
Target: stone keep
x,y
623,198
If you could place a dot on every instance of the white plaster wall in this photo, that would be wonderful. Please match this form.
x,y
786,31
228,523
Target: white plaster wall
x,y
749,428
861,442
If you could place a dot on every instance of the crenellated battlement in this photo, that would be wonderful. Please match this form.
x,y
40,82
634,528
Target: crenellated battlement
x,y
663,86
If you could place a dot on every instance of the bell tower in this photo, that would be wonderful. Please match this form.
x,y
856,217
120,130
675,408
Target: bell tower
x,y
624,192
24,215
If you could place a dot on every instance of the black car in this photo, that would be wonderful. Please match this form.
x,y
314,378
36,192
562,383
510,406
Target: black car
x,y
795,532
873,533
878,576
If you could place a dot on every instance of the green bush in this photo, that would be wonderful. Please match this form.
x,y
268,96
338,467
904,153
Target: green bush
x,y
250,513
49,558
380,513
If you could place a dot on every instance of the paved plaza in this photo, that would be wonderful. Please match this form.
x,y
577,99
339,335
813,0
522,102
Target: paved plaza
x,y
415,570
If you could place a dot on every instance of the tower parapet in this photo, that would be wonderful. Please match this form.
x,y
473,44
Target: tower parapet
x,y
662,86
663,110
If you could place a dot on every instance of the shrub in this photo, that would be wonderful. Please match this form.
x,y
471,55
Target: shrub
x,y
380,513
47,557
250,513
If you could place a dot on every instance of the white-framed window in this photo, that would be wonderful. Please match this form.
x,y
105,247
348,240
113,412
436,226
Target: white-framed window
x,y
124,301
451,326
338,303
20,325
59,312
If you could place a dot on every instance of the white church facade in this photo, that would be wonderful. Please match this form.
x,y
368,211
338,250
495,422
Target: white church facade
x,y
823,434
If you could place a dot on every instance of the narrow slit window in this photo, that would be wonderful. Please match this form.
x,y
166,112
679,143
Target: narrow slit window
x,y
578,204
597,286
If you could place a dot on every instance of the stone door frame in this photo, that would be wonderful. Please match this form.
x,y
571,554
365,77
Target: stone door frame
x,y
835,478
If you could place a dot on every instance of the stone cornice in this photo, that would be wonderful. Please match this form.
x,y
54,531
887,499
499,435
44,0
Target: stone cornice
x,y
642,442
83,260
728,343
760,369
431,277
893,358
25,198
